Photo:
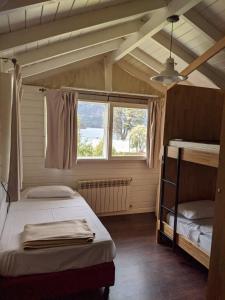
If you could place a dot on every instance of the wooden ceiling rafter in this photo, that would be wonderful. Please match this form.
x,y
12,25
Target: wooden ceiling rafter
x,y
199,61
91,20
70,58
70,45
163,39
152,26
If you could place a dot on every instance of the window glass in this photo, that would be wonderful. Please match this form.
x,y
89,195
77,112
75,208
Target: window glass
x,y
92,129
129,136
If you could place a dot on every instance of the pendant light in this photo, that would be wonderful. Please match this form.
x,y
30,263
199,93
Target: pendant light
x,y
169,75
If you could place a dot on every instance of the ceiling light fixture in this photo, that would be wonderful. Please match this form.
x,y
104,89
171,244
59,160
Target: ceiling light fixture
x,y
169,75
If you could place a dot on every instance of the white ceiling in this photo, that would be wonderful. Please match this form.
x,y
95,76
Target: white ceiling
x,y
198,29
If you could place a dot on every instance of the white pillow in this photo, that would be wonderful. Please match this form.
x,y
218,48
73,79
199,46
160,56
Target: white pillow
x,y
52,191
197,209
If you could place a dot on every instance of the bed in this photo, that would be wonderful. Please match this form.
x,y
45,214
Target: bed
x,y
53,273
197,231
196,242
194,228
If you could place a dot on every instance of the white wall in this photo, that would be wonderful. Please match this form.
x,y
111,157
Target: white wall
x,y
144,184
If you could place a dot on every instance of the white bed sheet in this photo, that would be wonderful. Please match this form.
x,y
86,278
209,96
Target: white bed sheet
x,y
15,261
198,231
196,146
205,242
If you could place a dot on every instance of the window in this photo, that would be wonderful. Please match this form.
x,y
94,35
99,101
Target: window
x,y
129,131
92,130
111,130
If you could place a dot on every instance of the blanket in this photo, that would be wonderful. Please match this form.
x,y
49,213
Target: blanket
x,y
57,234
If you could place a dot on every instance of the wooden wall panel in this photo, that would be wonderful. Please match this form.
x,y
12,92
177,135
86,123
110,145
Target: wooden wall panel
x,y
193,113
92,77
216,282
197,182
143,186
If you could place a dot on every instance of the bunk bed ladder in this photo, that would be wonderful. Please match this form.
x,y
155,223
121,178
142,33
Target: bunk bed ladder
x,y
175,184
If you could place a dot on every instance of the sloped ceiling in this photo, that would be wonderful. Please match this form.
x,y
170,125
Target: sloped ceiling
x,y
49,36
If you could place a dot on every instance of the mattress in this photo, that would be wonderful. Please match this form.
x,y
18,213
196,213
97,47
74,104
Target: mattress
x,y
14,261
198,231
214,148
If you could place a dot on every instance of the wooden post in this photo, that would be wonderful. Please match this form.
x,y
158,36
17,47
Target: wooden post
x,y
216,281
108,73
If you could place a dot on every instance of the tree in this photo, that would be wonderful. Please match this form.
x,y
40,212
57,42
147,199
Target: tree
x,y
127,118
98,151
138,138
85,149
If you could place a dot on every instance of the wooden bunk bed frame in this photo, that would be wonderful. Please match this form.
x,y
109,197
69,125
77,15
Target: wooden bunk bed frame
x,y
201,108
194,156
184,243
210,159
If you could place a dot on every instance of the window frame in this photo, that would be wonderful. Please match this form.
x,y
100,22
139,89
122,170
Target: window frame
x,y
80,159
125,105
109,133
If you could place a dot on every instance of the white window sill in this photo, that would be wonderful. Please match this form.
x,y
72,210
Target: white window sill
x,y
116,158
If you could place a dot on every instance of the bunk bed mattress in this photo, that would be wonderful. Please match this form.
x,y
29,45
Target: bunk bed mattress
x,y
14,261
196,146
197,231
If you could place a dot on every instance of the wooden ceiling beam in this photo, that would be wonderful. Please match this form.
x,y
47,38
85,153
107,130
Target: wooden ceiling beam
x,y
154,25
147,60
76,43
199,61
70,58
64,69
163,39
93,20
150,62
212,51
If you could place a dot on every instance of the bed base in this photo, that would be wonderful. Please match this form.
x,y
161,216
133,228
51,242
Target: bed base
x,y
187,245
58,285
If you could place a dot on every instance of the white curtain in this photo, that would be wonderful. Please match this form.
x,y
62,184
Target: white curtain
x,y
16,163
154,133
6,87
61,151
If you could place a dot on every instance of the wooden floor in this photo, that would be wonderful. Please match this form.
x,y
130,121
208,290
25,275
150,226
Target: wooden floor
x,y
147,271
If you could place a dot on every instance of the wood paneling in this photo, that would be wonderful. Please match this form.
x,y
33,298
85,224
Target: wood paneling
x,y
145,181
197,182
92,77
216,284
193,113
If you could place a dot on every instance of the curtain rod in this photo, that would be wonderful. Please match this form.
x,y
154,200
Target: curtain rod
x,y
110,93
13,60
107,93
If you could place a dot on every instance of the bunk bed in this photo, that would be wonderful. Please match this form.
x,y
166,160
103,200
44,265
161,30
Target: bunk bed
x,y
187,233
191,142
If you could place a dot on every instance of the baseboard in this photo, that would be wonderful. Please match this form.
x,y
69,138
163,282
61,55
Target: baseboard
x,y
128,212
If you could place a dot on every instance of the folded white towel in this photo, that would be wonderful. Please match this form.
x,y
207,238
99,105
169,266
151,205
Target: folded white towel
x,y
56,234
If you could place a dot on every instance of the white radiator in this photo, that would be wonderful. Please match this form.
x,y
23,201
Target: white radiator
x,y
106,195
